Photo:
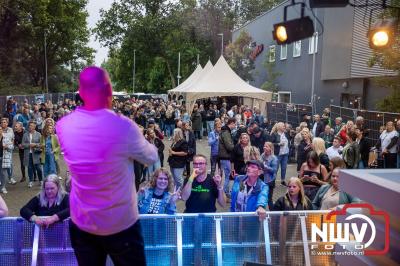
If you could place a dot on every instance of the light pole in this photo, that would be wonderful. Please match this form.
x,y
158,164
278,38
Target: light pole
x,y
134,71
314,39
179,67
45,63
222,42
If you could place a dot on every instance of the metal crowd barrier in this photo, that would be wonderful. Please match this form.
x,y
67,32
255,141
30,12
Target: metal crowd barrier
x,y
182,239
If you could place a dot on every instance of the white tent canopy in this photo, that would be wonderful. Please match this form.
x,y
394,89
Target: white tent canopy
x,y
193,79
221,80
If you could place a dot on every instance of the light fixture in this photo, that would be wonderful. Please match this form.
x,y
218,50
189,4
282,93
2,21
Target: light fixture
x,y
382,33
293,30
328,3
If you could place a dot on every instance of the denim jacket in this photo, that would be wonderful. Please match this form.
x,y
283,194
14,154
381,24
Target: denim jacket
x,y
213,141
270,168
258,197
144,200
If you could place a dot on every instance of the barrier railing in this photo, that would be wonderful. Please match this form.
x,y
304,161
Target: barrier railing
x,y
182,239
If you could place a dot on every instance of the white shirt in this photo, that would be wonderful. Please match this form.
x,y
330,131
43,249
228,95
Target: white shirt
x,y
284,149
386,138
99,148
231,113
334,152
314,129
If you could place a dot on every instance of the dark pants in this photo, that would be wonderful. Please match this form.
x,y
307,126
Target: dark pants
x,y
271,186
197,134
188,168
214,160
390,160
124,248
32,168
21,160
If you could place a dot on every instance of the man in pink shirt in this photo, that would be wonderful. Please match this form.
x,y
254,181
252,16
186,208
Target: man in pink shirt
x,y
99,148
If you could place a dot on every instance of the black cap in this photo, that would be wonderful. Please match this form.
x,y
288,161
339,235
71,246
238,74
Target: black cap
x,y
255,162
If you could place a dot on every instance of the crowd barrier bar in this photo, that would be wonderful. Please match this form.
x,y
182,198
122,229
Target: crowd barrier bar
x,y
216,245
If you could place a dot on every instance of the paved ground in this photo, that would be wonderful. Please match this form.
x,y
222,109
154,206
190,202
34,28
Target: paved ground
x,y
19,194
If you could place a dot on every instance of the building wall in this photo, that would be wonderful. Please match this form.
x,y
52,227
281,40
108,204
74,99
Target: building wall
x,y
334,60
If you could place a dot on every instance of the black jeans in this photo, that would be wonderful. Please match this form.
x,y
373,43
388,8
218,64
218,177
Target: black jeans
x,y
21,160
390,160
124,248
271,186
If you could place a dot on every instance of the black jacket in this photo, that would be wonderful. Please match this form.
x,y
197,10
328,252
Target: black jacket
x,y
320,128
276,139
33,208
260,141
191,146
284,204
176,161
225,145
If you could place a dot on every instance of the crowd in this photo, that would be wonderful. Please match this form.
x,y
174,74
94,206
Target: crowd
x,y
245,148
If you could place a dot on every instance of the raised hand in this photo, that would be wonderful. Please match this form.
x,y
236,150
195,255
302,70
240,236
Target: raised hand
x,y
176,195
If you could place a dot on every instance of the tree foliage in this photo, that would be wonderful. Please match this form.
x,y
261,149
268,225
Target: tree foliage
x,y
238,56
389,59
159,30
24,26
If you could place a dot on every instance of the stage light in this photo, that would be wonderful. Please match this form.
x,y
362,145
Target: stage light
x,y
381,35
293,30
328,3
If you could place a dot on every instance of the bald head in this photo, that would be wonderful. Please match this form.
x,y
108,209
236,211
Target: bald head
x,y
95,88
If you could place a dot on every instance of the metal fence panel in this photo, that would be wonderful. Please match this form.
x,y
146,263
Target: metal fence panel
x,y
239,238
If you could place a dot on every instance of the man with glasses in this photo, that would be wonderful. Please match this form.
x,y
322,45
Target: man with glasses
x,y
201,190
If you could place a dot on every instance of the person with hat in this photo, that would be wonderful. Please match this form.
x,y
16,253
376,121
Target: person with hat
x,y
258,138
249,193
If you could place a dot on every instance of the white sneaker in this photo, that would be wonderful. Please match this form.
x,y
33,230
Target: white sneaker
x,y
30,184
4,190
12,181
60,178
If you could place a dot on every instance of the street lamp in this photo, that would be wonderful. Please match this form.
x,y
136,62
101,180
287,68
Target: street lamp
x,y
179,68
134,71
222,42
45,63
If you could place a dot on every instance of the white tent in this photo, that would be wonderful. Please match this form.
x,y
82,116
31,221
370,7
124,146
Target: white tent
x,y
193,79
221,80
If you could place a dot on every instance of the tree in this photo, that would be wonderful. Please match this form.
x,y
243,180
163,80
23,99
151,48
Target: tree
x,y
270,84
24,27
238,56
389,58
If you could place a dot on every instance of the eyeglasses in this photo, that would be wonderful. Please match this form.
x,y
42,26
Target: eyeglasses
x,y
201,163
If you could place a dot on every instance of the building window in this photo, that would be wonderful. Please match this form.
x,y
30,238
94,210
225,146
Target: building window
x,y
313,44
283,52
272,53
297,49
284,97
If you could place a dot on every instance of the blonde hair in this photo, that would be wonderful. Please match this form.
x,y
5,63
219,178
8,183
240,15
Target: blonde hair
x,y
307,131
44,202
162,170
302,196
178,135
251,153
271,146
319,145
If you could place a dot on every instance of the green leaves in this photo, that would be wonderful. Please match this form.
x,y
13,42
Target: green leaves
x,y
25,26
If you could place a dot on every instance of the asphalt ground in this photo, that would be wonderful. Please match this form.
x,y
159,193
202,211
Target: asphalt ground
x,y
19,194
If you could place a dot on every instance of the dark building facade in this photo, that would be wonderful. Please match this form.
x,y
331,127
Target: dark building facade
x,y
341,73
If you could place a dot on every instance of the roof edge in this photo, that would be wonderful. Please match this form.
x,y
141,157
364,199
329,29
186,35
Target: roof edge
x,y
262,14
